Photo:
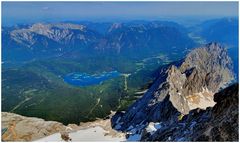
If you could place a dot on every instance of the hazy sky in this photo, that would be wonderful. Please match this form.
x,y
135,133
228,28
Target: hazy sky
x,y
28,12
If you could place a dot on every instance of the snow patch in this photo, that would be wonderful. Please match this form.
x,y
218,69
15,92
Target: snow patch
x,y
153,127
90,134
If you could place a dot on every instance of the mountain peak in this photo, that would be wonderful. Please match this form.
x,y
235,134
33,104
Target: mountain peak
x,y
181,88
203,72
115,26
38,26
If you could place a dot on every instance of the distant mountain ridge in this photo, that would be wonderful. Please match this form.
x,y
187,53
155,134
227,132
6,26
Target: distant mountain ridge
x,y
43,40
223,30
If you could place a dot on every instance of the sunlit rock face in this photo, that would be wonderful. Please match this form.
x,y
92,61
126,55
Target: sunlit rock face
x,y
20,128
180,87
218,123
204,71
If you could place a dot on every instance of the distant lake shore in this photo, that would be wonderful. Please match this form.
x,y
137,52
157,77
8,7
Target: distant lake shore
x,y
84,79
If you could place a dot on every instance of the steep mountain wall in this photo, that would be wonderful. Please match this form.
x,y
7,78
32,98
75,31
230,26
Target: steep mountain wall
x,y
180,87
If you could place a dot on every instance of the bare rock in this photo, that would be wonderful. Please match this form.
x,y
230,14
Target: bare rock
x,y
180,87
218,123
20,128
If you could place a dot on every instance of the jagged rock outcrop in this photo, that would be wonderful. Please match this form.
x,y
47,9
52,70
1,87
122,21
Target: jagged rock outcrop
x,y
204,71
180,87
218,123
19,128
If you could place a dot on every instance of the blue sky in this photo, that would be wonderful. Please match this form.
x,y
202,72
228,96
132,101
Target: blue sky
x,y
29,12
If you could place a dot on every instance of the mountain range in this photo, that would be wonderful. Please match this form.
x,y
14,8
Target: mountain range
x,y
175,83
43,40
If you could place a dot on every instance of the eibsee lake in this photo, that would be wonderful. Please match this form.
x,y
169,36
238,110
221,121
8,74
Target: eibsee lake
x,y
84,79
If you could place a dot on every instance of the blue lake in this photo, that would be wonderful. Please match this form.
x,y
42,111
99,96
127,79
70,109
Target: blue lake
x,y
84,79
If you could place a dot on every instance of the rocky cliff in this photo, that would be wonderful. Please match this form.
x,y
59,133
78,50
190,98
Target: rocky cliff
x,y
218,123
179,88
19,128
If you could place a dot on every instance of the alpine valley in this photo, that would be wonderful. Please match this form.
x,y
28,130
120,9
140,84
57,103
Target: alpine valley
x,y
136,80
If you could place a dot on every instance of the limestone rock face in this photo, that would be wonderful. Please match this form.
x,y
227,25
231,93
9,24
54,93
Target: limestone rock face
x,y
60,32
218,123
180,87
19,128
204,71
